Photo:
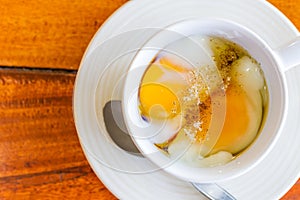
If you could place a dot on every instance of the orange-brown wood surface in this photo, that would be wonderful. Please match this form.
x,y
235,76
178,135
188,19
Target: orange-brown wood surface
x,y
41,44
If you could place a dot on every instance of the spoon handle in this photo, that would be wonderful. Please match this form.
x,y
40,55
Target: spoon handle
x,y
213,191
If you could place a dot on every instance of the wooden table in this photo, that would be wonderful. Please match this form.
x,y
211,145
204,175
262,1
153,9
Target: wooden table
x,y
41,45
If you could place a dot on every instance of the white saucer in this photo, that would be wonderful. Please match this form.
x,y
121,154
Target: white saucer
x,y
131,177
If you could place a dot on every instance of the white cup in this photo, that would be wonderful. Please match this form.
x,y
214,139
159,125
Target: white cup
x,y
274,63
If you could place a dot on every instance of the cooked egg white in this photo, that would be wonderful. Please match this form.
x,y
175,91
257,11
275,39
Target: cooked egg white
x,y
190,152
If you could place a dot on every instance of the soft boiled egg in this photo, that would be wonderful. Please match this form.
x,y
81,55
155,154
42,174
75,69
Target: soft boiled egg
x,y
160,105
242,120
186,129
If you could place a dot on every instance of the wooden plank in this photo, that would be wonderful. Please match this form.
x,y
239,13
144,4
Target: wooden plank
x,y
70,183
49,33
54,34
36,122
41,157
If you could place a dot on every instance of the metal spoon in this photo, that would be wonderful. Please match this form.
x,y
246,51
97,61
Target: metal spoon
x,y
115,126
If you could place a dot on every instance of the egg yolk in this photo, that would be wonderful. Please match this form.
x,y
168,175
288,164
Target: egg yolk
x,y
160,84
158,101
236,121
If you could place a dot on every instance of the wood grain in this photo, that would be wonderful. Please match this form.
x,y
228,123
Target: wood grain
x,y
54,34
41,157
49,34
